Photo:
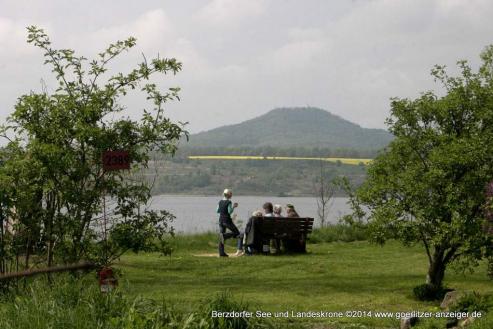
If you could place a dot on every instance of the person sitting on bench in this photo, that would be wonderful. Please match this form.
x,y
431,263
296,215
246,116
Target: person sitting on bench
x,y
268,209
292,245
277,213
290,211
242,246
268,212
277,210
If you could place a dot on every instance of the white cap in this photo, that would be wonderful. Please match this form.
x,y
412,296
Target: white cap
x,y
227,191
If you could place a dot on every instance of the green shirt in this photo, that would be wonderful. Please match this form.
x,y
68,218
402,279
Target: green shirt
x,y
230,208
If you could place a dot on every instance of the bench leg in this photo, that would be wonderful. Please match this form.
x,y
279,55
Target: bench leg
x,y
303,244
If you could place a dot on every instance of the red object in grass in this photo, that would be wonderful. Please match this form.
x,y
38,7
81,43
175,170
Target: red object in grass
x,y
107,280
116,160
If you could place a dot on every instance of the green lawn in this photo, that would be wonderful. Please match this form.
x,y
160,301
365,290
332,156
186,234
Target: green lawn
x,y
335,276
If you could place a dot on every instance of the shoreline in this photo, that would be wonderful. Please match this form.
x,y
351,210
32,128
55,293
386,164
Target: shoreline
x,y
242,195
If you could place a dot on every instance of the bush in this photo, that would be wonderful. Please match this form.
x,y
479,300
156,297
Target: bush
x,y
490,267
485,322
471,302
426,292
339,232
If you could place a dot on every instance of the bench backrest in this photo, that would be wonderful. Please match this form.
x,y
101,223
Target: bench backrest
x,y
285,227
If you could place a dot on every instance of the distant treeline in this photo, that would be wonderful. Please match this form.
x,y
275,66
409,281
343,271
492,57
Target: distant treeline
x,y
181,175
185,151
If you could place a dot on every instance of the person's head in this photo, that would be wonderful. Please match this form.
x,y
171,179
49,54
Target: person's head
x,y
257,213
228,193
268,208
277,209
290,208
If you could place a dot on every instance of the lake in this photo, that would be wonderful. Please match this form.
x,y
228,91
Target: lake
x,y
197,214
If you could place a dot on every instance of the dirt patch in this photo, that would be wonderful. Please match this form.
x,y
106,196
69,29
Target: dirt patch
x,y
212,255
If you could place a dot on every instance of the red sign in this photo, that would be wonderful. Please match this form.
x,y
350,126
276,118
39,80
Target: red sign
x,y
116,160
107,280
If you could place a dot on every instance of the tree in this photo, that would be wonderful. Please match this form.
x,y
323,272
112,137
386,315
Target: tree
x,y
324,191
428,185
52,176
488,227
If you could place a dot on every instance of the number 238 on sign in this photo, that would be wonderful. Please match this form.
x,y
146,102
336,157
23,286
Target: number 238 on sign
x,y
116,160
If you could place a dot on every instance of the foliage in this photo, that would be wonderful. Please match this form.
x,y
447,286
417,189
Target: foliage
x,y
224,302
324,192
245,177
489,226
472,302
428,185
78,304
339,233
281,151
489,270
53,182
426,292
485,322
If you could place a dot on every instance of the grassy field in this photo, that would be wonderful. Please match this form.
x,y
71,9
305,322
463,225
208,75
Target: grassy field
x,y
338,276
349,161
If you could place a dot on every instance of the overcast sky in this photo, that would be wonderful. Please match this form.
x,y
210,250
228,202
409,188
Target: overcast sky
x,y
242,58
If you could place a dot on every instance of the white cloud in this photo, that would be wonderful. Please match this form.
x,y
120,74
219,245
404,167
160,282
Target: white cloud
x,y
13,38
243,57
152,28
230,12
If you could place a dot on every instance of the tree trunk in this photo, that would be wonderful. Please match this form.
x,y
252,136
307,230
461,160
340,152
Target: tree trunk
x,y
436,270
436,273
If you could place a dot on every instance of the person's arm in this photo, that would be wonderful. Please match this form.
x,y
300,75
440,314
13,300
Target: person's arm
x,y
248,226
230,208
217,209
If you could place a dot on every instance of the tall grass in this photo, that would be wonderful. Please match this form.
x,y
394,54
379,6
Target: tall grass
x,y
78,304
339,233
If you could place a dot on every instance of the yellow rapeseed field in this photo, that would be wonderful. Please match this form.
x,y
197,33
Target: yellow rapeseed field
x,y
350,161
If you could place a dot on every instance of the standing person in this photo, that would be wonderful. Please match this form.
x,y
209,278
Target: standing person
x,y
225,208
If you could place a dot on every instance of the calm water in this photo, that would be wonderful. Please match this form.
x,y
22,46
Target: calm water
x,y
195,214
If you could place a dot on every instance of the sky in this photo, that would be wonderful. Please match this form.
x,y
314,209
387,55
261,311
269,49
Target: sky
x,y
243,58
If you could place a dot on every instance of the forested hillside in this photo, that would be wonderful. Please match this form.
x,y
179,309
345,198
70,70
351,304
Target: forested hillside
x,y
293,128
247,177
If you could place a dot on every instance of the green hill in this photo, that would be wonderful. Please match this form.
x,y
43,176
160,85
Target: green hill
x,y
294,127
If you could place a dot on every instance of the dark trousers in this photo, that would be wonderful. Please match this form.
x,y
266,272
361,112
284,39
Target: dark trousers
x,y
223,225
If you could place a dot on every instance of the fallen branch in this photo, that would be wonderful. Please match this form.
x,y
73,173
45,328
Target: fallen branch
x,y
61,268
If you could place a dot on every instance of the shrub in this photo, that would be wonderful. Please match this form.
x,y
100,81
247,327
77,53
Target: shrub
x,y
485,322
471,302
224,303
426,292
490,267
338,232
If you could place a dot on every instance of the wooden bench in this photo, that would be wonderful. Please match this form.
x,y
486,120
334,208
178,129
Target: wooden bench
x,y
292,230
